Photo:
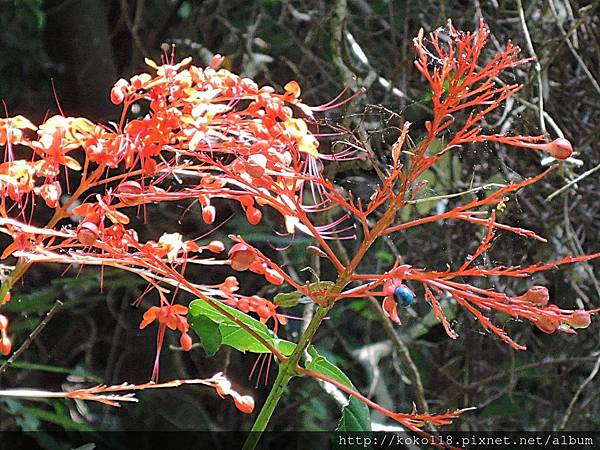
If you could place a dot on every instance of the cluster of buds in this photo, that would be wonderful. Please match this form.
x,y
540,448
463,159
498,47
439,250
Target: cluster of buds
x,y
551,318
244,257
5,343
264,308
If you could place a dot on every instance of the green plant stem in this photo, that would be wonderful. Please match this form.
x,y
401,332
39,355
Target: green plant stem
x,y
281,382
287,370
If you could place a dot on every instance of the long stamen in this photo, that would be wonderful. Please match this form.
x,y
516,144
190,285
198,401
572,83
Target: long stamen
x,y
159,342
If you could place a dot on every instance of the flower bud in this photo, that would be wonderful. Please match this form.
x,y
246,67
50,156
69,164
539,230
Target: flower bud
x,y
264,312
117,93
390,309
186,341
87,233
293,89
216,246
244,403
217,60
243,305
5,345
560,148
256,165
241,257
208,214
128,188
223,387
230,284
50,192
537,295
273,277
547,325
253,215
579,319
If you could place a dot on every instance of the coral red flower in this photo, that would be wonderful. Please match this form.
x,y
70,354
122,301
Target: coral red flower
x,y
390,308
168,316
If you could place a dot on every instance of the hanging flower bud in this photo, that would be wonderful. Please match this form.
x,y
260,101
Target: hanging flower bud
x,y
223,387
292,89
547,324
5,345
208,214
243,304
129,188
3,322
186,341
256,165
263,312
118,92
50,192
273,277
230,285
257,267
244,403
87,233
217,60
559,148
253,215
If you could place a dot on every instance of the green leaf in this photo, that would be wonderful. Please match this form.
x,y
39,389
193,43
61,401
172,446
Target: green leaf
x,y
355,415
322,365
209,334
234,335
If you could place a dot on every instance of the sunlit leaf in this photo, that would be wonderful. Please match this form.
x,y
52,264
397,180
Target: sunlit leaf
x,y
355,415
233,334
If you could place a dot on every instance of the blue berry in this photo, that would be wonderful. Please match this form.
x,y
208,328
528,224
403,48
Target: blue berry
x,y
403,296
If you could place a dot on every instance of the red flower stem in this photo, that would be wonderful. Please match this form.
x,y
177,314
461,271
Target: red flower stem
x,y
60,213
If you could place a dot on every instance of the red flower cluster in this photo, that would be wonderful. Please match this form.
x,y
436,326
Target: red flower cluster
x,y
210,134
236,140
